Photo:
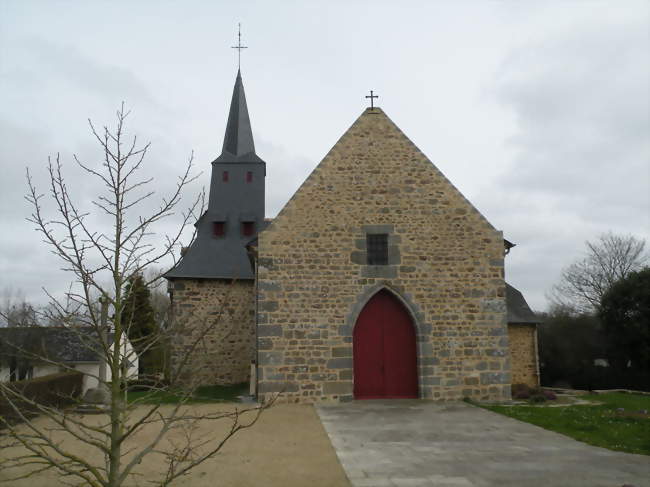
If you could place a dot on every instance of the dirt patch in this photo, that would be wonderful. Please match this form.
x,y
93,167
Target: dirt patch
x,y
286,447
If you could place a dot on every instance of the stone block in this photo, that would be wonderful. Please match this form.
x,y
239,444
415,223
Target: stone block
x,y
429,361
342,352
431,381
498,331
336,388
378,228
269,331
266,262
281,387
345,374
268,286
495,352
345,330
384,271
268,305
275,376
264,344
488,378
270,358
339,363
494,305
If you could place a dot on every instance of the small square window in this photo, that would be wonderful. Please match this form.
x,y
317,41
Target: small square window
x,y
377,248
218,229
248,229
224,176
249,176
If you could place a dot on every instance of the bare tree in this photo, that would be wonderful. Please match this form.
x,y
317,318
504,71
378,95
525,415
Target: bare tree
x,y
15,310
113,444
159,297
608,260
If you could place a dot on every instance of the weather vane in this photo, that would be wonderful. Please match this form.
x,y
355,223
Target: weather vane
x,y
372,99
239,47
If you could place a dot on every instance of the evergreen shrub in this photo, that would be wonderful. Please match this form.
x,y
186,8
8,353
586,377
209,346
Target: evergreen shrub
x,y
54,390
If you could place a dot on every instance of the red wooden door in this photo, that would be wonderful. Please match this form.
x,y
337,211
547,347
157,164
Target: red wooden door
x,y
384,353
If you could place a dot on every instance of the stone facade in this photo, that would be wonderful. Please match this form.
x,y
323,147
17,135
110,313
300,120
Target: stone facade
x,y
523,354
214,336
446,265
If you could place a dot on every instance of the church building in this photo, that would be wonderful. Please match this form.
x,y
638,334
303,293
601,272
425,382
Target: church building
x,y
378,279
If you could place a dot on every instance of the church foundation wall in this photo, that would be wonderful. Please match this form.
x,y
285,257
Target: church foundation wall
x,y
523,354
445,263
213,331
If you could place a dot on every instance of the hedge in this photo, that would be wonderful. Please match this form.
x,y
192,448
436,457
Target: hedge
x,y
55,390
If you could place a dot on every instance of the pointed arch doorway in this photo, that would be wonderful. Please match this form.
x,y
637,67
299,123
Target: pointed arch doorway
x,y
384,350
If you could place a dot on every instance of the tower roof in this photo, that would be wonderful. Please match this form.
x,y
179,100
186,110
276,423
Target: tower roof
x,y
238,144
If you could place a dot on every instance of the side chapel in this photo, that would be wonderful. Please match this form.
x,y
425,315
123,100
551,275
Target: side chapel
x,y
378,279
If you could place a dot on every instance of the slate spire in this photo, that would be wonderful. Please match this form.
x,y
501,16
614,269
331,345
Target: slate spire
x,y
238,142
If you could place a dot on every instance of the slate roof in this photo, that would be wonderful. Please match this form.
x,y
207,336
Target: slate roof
x,y
209,258
58,344
517,308
238,144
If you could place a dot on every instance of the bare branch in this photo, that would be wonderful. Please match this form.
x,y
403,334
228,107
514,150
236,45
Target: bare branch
x,y
608,260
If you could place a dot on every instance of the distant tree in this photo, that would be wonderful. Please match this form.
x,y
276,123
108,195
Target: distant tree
x,y
569,344
584,283
15,310
625,316
159,296
139,322
22,314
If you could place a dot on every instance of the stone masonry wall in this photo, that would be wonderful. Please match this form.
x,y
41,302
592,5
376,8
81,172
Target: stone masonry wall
x,y
445,264
523,354
217,316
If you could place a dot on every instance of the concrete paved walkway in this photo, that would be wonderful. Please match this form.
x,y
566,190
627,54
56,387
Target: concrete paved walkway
x,y
421,443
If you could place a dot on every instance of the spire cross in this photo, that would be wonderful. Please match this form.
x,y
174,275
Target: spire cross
x,y
239,47
372,97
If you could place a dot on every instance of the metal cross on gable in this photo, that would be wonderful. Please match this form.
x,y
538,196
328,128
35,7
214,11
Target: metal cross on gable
x,y
239,47
372,97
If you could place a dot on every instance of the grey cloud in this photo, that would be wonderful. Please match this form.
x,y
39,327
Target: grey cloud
x,y
67,67
582,109
582,163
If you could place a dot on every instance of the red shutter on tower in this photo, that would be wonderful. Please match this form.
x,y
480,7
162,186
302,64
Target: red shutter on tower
x,y
219,229
249,176
224,176
247,228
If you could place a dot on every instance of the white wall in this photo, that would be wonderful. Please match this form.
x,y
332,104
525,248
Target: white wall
x,y
89,369
131,356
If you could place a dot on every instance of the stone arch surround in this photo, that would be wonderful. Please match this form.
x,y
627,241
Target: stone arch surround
x,y
425,362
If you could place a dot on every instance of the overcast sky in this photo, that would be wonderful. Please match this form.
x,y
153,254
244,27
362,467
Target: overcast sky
x,y
537,111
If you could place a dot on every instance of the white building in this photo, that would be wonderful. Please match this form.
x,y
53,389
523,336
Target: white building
x,y
36,351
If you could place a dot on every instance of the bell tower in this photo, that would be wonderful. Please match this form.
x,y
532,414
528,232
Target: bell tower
x,y
235,211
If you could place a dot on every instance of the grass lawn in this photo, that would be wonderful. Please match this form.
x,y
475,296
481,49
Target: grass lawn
x,y
201,395
604,424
